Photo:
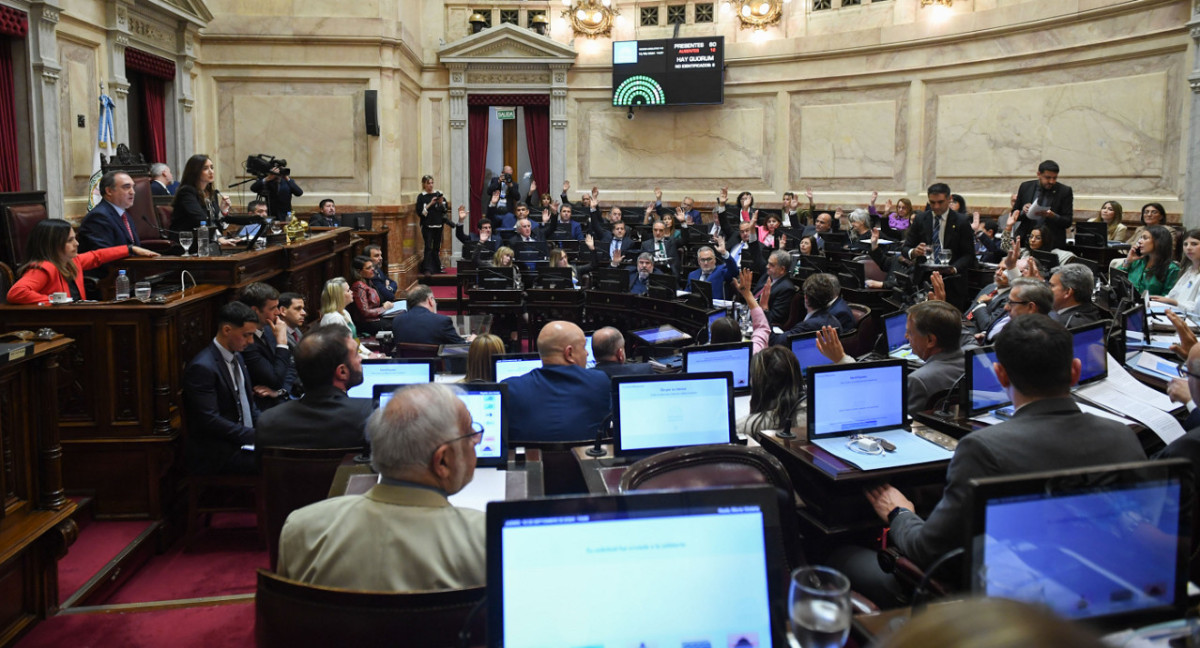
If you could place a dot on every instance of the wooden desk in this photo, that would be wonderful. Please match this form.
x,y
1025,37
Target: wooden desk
x,y
35,522
599,473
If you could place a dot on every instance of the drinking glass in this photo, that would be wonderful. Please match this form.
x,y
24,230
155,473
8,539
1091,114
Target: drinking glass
x,y
818,608
944,257
141,290
185,239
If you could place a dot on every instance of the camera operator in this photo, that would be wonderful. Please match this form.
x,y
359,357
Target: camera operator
x,y
510,194
431,209
277,188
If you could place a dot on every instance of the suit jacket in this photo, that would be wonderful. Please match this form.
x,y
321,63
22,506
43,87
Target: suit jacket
x,y
1062,203
604,245
278,193
321,221
780,304
559,403
419,325
672,249
394,538
325,418
959,238
42,278
992,310
939,373
269,365
556,230
720,276
189,209
103,228
614,369
159,189
512,194
215,431
750,256
1079,316
384,286
1044,435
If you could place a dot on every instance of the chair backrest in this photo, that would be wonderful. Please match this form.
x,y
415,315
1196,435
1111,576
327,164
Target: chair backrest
x,y
294,478
796,311
6,282
288,614
19,213
865,331
165,213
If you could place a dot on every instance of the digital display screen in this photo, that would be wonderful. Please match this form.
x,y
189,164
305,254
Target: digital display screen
x,y
668,72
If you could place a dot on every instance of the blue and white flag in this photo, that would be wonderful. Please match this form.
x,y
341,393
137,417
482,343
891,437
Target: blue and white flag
x,y
105,141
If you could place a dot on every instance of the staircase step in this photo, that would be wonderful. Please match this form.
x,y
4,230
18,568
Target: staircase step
x,y
119,569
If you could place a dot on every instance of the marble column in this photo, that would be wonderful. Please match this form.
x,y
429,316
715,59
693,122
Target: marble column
x,y
1191,195
47,141
558,124
460,166
185,126
118,83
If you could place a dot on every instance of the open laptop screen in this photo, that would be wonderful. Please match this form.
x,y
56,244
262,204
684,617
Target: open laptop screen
x,y
652,413
485,402
1094,543
733,357
863,397
684,568
512,365
804,347
984,391
391,371
1088,343
894,327
660,334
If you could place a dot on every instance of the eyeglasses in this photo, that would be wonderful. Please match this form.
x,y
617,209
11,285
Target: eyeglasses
x,y
1184,373
476,431
1018,301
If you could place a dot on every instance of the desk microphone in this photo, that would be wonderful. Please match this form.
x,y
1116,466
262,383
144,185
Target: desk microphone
x,y
943,411
162,232
596,450
786,432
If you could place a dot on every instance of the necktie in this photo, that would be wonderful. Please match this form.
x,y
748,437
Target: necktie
x,y
295,336
247,419
737,254
937,236
704,276
661,250
128,229
616,245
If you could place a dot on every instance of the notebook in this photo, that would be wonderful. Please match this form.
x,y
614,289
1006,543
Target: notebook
x,y
391,371
662,568
662,412
511,365
733,357
486,404
1106,545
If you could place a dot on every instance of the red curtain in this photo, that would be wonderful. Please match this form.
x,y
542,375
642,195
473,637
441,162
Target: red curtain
x,y
154,119
537,139
477,138
10,175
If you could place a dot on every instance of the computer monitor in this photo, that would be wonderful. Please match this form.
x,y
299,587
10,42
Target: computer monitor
x,y
895,330
661,286
713,318
733,357
1088,343
511,365
1106,545
661,412
487,403
528,251
497,277
704,289
1091,234
804,347
856,398
661,562
554,278
392,371
591,360
984,392
610,280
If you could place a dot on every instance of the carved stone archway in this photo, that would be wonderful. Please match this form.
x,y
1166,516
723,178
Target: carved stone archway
x,y
505,59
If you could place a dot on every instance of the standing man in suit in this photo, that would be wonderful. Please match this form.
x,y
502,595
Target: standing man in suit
x,y
940,229
663,249
421,323
779,265
216,395
162,183
268,356
1045,202
608,346
328,362
509,193
745,250
277,189
709,271
327,215
1036,366
431,210
110,224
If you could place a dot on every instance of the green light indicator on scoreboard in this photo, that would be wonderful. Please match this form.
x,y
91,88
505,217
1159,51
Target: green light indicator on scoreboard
x,y
639,90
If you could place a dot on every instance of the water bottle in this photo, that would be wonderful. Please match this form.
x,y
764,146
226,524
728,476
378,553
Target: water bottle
x,y
122,286
202,239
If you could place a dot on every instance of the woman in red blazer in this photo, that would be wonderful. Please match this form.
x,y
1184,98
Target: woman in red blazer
x,y
55,265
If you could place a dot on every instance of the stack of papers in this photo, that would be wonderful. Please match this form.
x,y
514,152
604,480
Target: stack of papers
x,y
1122,393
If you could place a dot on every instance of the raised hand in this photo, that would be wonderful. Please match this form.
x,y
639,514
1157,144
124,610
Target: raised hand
x,y
723,196
746,201
590,242
889,206
808,194
874,196
976,223
766,294
462,214
495,197
829,344
783,241
719,244
533,187
1187,339
545,216
616,257
566,186
658,194
595,194
939,287
745,284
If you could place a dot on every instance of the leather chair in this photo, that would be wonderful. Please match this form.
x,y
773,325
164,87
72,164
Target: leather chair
x,y
144,216
6,282
415,350
865,331
294,478
226,485
796,311
289,614
19,213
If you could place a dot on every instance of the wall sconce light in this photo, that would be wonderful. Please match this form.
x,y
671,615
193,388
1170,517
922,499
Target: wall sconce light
x,y
937,3
756,14
540,24
590,18
478,22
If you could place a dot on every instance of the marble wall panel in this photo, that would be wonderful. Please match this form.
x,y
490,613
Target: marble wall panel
x,y
78,95
318,130
848,140
1102,128
407,124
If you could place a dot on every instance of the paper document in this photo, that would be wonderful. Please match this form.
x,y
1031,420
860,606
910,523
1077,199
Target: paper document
x,y
910,450
1121,392
488,485
397,307
1155,366
1103,413
1135,340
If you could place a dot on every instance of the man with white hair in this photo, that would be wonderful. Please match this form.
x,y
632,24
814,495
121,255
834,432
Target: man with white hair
x,y
860,230
162,183
403,534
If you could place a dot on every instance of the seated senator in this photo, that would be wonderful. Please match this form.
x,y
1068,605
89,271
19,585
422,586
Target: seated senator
x,y
422,324
1149,261
775,392
823,300
561,400
328,363
710,271
53,264
608,346
403,535
368,308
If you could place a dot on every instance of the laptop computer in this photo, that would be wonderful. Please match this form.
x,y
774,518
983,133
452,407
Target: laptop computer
x,y
665,334
659,568
733,357
392,371
1107,545
511,365
655,413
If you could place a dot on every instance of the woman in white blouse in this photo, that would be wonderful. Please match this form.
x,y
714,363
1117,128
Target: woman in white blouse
x,y
1186,291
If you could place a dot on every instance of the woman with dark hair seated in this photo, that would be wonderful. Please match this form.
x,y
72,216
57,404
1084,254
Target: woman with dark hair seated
x,y
197,199
367,310
1149,262
53,263
775,391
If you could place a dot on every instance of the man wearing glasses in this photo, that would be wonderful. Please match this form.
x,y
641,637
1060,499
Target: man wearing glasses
x,y
403,534
1027,297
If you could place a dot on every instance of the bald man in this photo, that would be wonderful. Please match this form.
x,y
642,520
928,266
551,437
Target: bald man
x,y
562,400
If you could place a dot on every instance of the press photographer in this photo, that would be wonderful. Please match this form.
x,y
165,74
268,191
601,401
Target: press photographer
x,y
274,184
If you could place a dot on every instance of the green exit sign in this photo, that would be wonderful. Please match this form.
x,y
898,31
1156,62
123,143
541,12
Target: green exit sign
x,y
506,113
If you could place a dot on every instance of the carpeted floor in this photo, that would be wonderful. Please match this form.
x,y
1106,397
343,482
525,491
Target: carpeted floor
x,y
217,626
98,543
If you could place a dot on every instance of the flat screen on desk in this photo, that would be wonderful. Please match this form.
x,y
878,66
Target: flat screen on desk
x,y
1135,320
486,403
864,397
895,328
733,357
511,365
713,318
1100,544
661,562
661,334
591,361
804,347
1088,343
668,72
653,413
984,392
391,371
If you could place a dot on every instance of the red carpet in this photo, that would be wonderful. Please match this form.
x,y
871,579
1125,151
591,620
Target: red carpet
x,y
222,562
444,292
98,543
218,626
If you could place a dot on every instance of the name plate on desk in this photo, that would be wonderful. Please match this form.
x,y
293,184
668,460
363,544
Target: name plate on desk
x,y
13,351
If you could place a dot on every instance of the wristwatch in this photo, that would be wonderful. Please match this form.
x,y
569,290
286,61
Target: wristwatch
x,y
894,512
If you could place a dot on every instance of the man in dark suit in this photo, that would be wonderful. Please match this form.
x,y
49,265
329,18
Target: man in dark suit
x,y
825,306
1036,366
325,417
663,249
822,225
708,270
380,280
615,241
608,346
277,189
292,313
779,265
268,357
110,224
940,229
216,396
162,183
1072,286
1045,202
327,216
563,227
745,250
639,275
421,323
509,192
562,400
